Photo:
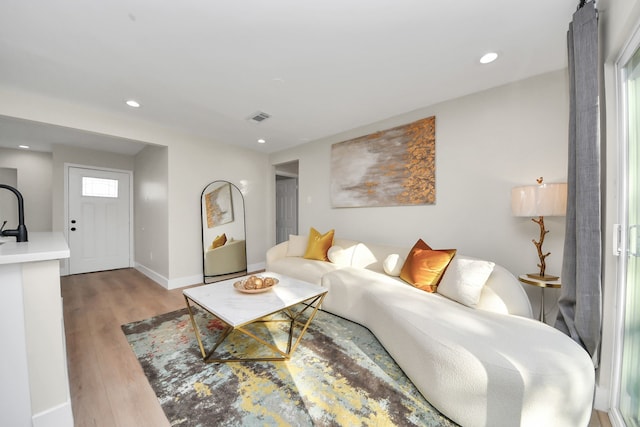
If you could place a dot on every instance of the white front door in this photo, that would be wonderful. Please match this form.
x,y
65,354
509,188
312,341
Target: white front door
x,y
99,220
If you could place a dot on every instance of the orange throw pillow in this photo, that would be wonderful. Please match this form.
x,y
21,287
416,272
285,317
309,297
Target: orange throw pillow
x,y
424,266
318,245
219,241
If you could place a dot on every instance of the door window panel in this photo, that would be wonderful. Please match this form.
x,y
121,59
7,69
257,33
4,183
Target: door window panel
x,y
99,187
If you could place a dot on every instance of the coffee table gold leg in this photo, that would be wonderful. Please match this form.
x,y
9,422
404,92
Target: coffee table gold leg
x,y
319,300
293,320
195,327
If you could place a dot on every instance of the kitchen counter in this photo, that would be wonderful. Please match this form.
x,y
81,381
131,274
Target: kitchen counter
x,y
34,382
41,246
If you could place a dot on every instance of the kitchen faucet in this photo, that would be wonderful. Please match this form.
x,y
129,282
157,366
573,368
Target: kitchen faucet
x,y
19,233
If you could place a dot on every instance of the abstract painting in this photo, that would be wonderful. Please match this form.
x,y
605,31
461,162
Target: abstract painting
x,y
219,206
393,167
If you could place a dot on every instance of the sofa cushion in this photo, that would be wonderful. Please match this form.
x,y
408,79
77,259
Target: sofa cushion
x,y
393,265
362,256
464,279
299,268
297,245
372,256
340,256
424,266
319,245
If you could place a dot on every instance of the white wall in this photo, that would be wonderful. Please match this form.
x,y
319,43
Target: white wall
x,y
486,144
192,167
193,162
151,200
34,183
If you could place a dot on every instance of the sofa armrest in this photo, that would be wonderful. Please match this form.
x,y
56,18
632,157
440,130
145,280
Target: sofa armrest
x,y
277,252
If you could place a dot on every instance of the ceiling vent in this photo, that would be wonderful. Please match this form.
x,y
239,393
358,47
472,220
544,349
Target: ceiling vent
x,y
258,117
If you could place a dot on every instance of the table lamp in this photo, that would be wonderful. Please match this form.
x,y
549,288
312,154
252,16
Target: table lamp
x,y
539,201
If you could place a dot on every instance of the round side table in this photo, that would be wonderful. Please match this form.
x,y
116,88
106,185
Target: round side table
x,y
542,284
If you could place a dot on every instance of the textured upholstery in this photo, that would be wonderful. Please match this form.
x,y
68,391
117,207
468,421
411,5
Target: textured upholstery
x,y
502,293
486,366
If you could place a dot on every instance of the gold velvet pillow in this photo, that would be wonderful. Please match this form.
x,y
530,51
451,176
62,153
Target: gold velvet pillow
x,y
424,266
318,245
219,241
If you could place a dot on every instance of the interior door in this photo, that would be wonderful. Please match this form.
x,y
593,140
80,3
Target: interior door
x,y
99,220
286,207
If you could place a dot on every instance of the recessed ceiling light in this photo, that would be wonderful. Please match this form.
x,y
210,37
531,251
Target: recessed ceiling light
x,y
133,103
488,57
26,147
261,141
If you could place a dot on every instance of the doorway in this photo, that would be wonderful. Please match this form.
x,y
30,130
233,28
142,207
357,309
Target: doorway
x,y
286,200
98,223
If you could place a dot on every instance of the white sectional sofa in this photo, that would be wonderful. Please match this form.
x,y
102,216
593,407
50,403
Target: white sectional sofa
x,y
489,365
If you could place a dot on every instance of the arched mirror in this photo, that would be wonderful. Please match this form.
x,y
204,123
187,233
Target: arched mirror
x,y
223,232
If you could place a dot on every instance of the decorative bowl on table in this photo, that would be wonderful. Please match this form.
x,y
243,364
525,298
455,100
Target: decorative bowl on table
x,y
255,284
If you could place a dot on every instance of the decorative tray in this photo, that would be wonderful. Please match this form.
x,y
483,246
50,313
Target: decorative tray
x,y
255,284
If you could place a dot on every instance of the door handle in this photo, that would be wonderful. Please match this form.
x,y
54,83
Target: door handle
x,y
633,240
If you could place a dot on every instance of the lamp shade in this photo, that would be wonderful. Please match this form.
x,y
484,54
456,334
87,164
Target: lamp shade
x,y
539,200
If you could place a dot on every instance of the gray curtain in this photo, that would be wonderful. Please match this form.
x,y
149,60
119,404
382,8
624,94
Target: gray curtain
x,y
580,305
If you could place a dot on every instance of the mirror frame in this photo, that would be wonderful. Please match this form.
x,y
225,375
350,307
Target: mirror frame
x,y
234,191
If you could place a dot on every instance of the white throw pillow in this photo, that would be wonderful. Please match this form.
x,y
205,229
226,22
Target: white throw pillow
x,y
362,256
392,265
339,256
297,245
464,279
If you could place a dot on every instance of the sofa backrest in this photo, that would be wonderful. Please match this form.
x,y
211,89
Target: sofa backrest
x,y
502,293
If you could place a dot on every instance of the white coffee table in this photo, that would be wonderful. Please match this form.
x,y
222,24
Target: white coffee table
x,y
237,310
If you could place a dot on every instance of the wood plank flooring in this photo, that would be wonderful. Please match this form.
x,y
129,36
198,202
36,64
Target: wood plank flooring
x,y
108,387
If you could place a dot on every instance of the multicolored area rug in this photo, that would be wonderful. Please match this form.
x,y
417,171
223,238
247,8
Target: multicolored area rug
x,y
339,375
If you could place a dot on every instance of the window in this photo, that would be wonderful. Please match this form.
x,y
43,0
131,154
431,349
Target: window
x,y
99,187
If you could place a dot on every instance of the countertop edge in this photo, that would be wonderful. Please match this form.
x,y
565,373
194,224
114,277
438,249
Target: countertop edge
x,y
42,246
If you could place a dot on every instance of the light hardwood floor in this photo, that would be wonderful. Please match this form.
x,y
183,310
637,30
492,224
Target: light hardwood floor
x,y
108,387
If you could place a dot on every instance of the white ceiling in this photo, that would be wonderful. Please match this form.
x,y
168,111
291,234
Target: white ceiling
x,y
317,67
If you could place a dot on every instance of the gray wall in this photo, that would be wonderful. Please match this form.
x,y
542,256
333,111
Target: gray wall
x,y
8,201
34,183
151,199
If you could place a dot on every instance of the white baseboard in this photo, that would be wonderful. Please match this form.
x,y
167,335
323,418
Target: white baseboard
x,y
58,416
181,282
158,278
169,284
